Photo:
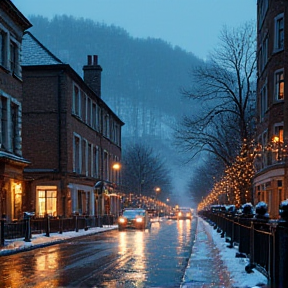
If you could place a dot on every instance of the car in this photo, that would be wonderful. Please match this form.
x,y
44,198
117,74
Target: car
x,y
184,213
135,218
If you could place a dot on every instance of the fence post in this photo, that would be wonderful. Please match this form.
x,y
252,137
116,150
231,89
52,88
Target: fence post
x,y
272,256
60,224
282,254
47,226
252,243
2,232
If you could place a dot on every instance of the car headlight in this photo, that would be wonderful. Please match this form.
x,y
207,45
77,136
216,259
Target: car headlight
x,y
139,220
121,220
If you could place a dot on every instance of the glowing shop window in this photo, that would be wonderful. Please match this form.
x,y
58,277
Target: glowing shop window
x,y
47,201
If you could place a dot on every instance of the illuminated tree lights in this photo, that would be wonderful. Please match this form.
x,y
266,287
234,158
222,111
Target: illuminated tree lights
x,y
235,186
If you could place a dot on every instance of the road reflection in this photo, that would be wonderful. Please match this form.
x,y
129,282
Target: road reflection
x,y
155,257
132,243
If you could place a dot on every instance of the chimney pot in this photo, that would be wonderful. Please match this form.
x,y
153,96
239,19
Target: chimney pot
x,y
95,60
89,59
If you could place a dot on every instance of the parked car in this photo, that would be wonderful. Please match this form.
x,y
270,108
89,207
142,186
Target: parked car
x,y
136,218
184,213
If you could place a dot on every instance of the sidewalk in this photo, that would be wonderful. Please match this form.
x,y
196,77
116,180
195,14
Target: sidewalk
x,y
39,240
214,265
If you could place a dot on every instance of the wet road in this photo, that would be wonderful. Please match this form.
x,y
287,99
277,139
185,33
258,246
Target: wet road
x,y
132,258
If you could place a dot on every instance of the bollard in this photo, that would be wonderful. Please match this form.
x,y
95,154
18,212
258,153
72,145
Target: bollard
x,y
60,224
76,224
27,227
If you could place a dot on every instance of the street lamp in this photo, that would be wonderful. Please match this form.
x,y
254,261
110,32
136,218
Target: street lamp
x,y
157,190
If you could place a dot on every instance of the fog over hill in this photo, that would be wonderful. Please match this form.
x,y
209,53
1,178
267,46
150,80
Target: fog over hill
x,y
141,79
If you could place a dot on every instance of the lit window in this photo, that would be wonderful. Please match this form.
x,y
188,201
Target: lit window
x,y
46,201
279,85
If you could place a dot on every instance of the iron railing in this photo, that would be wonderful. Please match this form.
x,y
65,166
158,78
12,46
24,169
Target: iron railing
x,y
263,241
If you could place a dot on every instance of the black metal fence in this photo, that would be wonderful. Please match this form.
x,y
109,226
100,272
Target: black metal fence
x,y
263,241
30,225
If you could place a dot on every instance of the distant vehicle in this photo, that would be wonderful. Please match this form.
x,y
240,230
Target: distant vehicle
x,y
184,213
136,218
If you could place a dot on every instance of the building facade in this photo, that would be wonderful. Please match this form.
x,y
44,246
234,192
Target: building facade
x,y
71,137
270,182
12,26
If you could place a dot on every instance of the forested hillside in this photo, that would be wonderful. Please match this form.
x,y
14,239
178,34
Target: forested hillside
x,y
141,78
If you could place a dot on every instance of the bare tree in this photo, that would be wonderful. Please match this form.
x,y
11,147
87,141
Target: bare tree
x,y
143,171
203,178
224,89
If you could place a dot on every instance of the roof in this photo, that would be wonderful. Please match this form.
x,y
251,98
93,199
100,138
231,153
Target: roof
x,y
35,53
15,14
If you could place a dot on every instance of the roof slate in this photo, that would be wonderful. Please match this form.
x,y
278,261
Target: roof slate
x,y
34,53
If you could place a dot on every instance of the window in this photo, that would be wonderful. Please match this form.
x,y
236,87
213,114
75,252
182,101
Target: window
x,y
263,7
105,165
107,126
84,157
83,202
279,33
46,201
279,85
89,112
4,123
90,166
14,63
76,155
263,99
76,101
94,114
3,50
263,54
9,126
278,131
14,127
96,162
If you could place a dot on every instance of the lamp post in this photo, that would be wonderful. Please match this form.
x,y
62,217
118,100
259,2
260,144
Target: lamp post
x,y
157,190
116,180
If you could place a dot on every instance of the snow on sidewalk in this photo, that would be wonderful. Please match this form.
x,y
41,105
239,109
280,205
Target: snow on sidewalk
x,y
213,264
17,245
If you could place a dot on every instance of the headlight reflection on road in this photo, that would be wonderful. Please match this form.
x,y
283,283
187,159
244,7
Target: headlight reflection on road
x,y
132,243
47,262
183,225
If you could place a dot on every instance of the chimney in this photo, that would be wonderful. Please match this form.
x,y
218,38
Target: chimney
x,y
92,74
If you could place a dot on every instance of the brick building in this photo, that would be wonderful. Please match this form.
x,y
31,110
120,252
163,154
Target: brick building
x,y
270,182
12,26
71,137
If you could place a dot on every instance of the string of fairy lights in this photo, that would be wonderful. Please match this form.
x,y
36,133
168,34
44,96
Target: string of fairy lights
x,y
235,186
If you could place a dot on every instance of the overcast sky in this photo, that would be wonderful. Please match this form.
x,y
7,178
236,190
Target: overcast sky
x,y
194,25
